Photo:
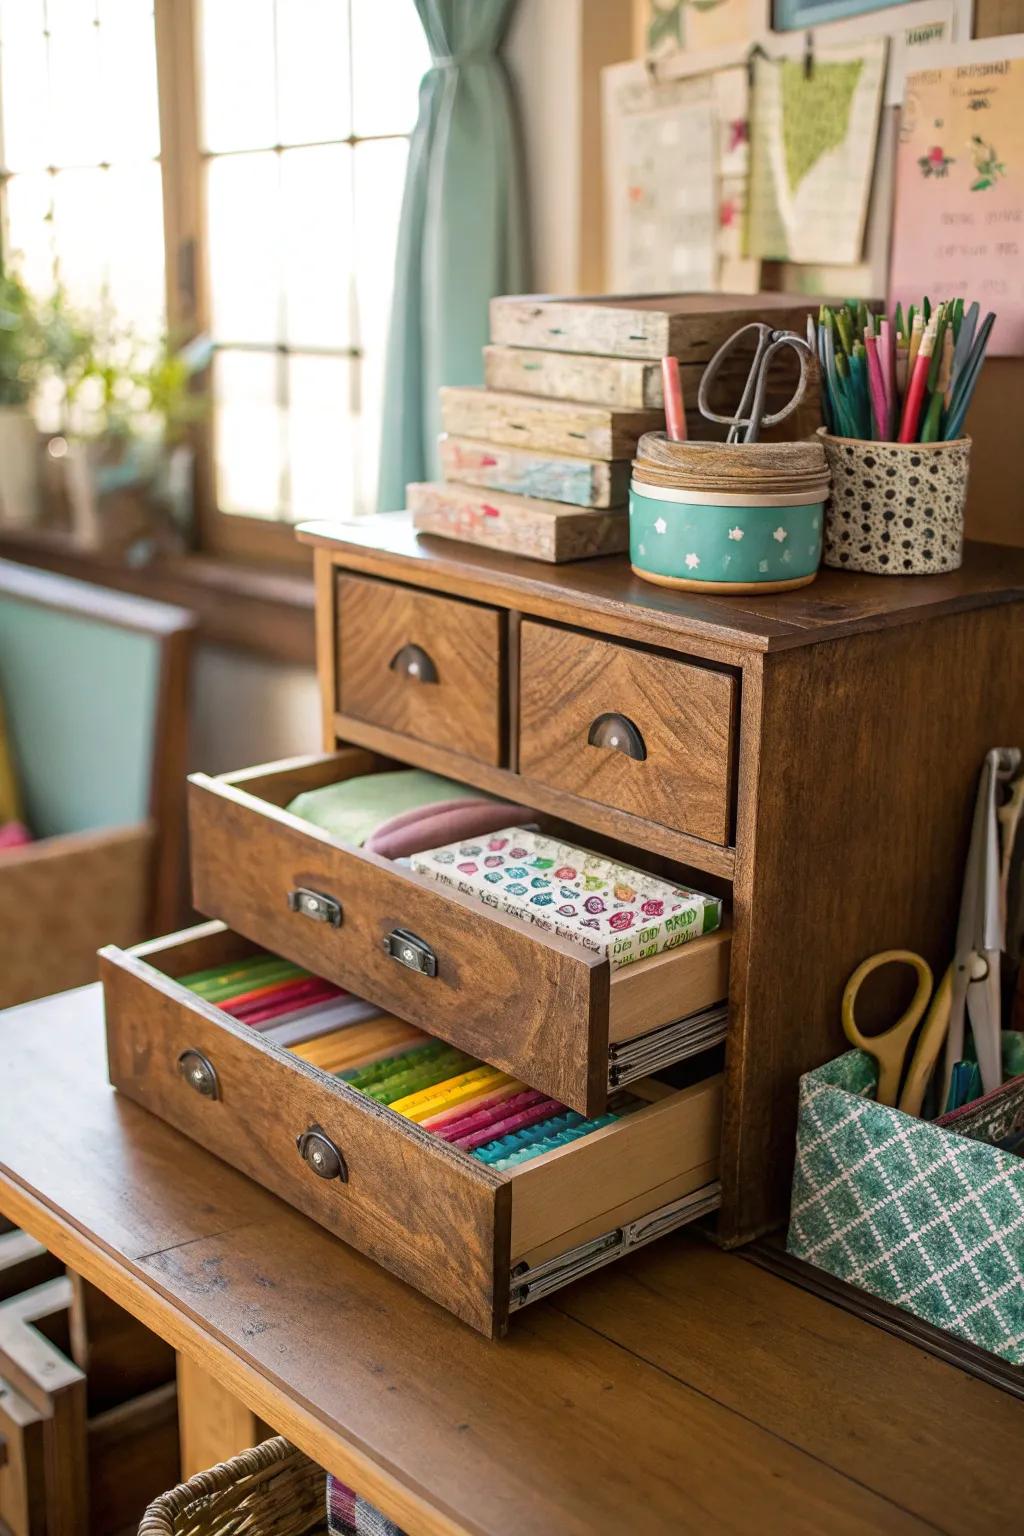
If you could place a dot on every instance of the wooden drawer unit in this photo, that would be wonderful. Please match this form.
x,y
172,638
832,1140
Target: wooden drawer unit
x,y
480,1241
536,1005
425,666
644,733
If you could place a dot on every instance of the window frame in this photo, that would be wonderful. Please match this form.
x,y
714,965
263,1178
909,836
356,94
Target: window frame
x,y
230,535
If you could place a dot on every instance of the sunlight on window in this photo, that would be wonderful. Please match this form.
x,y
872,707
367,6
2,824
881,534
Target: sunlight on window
x,y
305,151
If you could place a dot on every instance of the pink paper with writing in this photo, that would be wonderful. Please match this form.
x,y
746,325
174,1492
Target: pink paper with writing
x,y
958,227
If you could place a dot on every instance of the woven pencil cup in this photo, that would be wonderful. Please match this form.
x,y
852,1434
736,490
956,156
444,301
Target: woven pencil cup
x,y
897,509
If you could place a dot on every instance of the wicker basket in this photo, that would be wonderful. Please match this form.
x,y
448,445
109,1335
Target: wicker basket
x,y
272,1490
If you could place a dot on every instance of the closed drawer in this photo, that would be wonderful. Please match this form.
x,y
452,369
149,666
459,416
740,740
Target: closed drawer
x,y
527,1001
426,666
479,1241
627,728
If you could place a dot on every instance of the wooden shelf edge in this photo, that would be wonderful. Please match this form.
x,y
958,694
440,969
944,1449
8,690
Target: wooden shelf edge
x,y
260,610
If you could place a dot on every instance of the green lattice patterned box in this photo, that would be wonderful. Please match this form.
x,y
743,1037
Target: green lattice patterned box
x,y
924,1217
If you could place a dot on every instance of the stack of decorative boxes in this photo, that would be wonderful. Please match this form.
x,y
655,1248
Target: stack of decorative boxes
x,y
537,463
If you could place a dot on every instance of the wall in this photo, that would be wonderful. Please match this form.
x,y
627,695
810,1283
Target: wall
x,y
249,710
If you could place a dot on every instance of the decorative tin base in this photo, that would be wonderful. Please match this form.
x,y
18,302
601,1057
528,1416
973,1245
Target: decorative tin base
x,y
687,584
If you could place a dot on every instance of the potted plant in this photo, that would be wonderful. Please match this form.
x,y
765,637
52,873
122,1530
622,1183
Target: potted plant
x,y
20,360
121,453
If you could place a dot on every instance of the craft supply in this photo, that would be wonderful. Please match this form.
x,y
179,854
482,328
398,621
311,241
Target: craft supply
x,y
916,388
751,414
890,1048
980,932
426,826
675,413
354,809
727,517
517,524
611,908
529,473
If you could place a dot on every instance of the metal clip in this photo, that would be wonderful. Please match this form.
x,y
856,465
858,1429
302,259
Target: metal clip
x,y
315,905
415,954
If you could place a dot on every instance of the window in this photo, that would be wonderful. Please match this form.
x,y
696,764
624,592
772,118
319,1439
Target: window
x,y
278,138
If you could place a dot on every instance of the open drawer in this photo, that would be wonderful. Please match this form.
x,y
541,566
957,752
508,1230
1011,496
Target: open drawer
x,y
534,1004
479,1241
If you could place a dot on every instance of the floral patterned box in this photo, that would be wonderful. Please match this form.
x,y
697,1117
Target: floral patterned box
x,y
608,907
927,1215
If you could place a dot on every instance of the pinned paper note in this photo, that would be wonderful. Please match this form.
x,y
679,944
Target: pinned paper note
x,y
814,131
959,218
662,184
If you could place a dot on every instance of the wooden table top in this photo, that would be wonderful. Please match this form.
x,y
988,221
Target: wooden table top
x,y
837,603
684,1390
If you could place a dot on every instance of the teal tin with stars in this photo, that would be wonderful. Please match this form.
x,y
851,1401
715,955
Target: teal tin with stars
x,y
725,542
727,518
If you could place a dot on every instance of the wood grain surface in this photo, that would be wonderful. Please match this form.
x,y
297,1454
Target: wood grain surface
x,y
683,713
856,792
605,594
524,472
465,643
624,383
410,1201
495,977
552,426
689,326
520,525
685,1392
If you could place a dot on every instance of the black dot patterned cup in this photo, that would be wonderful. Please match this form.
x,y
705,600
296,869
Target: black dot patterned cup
x,y
896,509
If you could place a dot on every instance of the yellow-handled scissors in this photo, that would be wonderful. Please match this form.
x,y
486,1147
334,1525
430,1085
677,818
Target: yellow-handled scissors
x,y
890,1048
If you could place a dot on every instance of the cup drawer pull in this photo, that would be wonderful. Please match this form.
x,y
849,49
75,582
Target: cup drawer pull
x,y
415,954
618,734
199,1073
320,1155
413,662
315,905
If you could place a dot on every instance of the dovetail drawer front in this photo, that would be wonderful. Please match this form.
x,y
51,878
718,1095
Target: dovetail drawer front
x,y
535,1005
446,1223
426,666
627,728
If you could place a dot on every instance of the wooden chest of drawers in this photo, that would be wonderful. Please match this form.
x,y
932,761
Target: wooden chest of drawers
x,y
810,757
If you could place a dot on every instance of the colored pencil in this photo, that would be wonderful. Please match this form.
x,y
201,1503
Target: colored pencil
x,y
675,410
917,386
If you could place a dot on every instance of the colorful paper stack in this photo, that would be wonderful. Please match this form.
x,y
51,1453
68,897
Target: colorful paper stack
x,y
481,1110
484,1112
611,908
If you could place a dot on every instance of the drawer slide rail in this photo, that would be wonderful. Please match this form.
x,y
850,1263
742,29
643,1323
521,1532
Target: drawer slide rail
x,y
528,1285
630,1059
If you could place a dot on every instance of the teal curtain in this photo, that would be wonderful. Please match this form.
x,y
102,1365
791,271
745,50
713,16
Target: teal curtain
x,y
462,237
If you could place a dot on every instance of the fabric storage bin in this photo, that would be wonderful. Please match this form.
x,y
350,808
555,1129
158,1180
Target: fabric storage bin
x,y
909,1210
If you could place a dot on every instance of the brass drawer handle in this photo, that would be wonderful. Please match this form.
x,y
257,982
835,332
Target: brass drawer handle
x,y
199,1073
413,662
315,905
320,1155
619,734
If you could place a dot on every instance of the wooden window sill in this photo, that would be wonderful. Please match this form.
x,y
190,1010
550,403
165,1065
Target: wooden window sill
x,y
253,608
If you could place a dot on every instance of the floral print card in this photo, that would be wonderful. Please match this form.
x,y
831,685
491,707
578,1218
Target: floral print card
x,y
607,907
959,216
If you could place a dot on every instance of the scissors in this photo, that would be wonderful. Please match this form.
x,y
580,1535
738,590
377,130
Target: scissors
x,y
750,411
890,1048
